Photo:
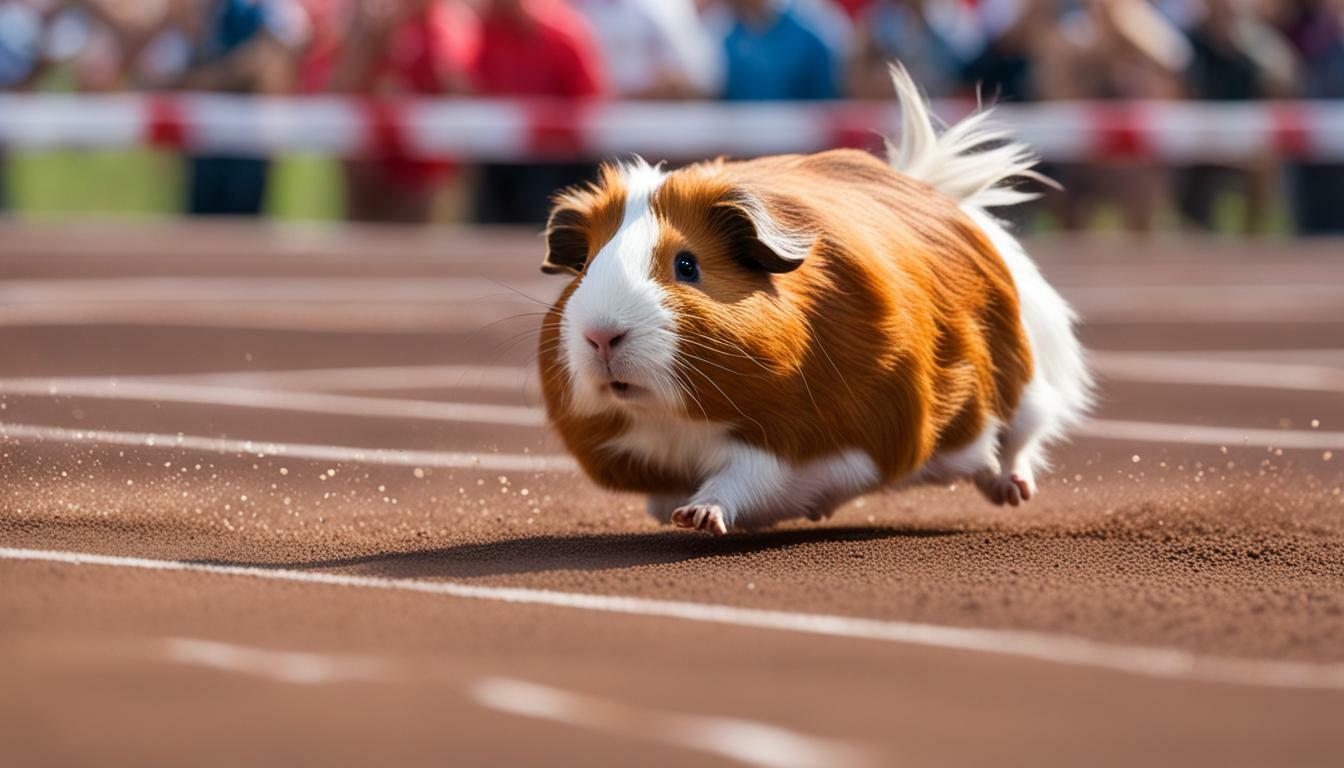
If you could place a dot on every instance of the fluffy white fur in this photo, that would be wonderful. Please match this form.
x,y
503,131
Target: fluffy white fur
x,y
754,488
617,292
973,163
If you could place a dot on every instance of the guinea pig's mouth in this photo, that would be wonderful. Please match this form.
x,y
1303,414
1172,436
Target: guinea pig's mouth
x,y
623,390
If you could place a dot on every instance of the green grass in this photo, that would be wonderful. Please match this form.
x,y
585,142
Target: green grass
x,y
147,182
66,183
306,188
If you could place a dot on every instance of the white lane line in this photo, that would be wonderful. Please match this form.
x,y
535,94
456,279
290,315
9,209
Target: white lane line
x,y
510,462
345,317
744,741
1321,302
1191,434
1167,663
298,402
365,379
197,290
1099,429
1184,369
295,668
272,303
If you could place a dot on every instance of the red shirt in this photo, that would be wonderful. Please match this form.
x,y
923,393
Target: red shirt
x,y
429,54
550,53
854,8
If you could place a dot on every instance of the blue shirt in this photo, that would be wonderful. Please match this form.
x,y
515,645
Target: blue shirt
x,y
20,38
230,24
786,60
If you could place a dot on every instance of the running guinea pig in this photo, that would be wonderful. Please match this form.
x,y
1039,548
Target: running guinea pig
x,y
748,342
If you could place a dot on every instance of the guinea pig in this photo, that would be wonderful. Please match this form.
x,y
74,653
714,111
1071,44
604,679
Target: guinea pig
x,y
749,342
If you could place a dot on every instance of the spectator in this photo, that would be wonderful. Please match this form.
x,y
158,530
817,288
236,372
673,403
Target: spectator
x,y
1000,43
23,58
900,30
21,30
663,50
20,38
774,51
1236,57
238,46
1316,29
386,48
832,24
533,48
1110,49
118,44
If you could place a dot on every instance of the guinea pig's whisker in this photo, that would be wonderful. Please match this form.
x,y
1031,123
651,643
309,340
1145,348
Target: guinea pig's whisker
x,y
723,348
517,292
511,318
744,354
765,434
709,362
690,393
511,341
839,375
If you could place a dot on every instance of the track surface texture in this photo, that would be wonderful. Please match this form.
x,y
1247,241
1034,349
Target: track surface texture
x,y
331,528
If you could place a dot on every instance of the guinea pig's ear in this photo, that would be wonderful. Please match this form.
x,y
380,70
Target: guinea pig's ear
x,y
778,234
567,236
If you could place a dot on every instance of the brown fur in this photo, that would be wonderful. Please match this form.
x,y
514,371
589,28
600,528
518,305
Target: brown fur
x,y
899,334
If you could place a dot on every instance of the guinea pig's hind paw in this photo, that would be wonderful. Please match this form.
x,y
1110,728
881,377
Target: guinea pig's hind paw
x,y
701,517
1008,489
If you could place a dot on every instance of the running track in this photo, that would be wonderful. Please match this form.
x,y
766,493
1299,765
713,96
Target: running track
x,y
285,496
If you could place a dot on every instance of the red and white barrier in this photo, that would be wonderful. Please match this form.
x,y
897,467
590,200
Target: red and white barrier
x,y
1173,132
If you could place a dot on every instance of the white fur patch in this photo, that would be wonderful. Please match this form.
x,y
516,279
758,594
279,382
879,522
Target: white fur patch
x,y
981,455
1061,383
682,446
756,488
617,291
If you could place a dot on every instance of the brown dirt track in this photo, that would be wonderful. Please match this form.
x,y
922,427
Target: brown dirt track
x,y
1215,549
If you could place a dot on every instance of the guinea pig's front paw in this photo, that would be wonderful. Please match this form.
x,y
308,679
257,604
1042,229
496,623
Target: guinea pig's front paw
x,y
821,512
701,517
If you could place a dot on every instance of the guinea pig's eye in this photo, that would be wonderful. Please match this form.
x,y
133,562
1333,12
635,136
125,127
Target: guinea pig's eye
x,y
687,268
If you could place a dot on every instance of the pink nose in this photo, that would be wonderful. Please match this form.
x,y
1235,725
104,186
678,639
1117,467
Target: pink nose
x,y
604,340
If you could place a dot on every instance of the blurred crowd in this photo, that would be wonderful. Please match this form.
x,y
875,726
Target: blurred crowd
x,y
1009,50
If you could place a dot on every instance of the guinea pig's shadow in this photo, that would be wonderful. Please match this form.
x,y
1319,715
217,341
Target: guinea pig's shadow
x,y
593,552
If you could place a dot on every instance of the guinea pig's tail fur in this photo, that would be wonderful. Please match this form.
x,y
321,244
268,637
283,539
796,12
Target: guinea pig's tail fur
x,y
972,162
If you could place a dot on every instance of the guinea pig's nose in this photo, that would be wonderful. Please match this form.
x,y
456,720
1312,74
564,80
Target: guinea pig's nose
x,y
604,340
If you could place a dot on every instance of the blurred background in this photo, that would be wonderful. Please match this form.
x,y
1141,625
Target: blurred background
x,y
1156,115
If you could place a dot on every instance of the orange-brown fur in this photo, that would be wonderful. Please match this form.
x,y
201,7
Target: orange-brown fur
x,y
899,334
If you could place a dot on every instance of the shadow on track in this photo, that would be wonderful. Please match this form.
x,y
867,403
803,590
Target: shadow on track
x,y
588,552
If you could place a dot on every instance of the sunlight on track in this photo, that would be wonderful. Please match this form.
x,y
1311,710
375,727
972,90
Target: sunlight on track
x,y
279,400
745,741
385,456
1069,650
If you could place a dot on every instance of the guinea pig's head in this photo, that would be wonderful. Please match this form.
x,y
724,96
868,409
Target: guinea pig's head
x,y
680,295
